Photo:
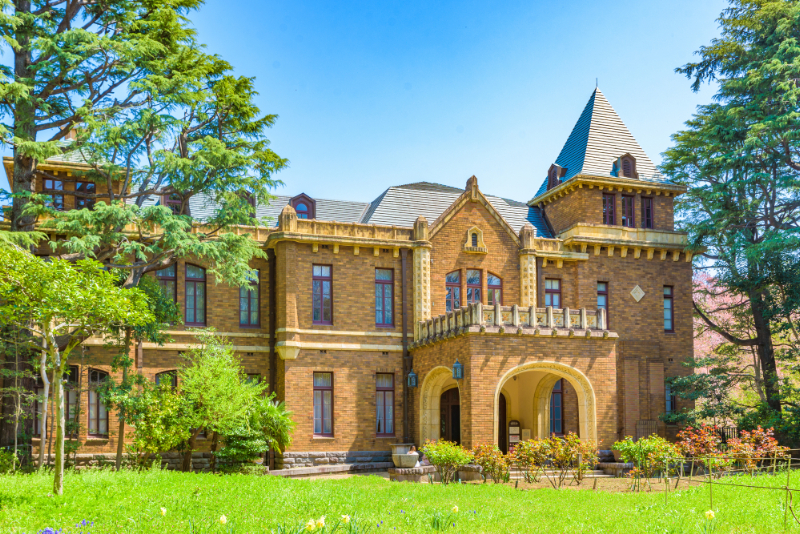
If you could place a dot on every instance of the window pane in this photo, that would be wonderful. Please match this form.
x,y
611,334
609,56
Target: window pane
x,y
453,278
378,304
492,280
383,274
325,270
601,286
389,402
200,305
317,412
326,301
457,297
323,379
167,272
556,300
473,277
384,380
243,310
193,271
668,291
601,301
327,405
92,412
317,270
379,412
387,304
301,207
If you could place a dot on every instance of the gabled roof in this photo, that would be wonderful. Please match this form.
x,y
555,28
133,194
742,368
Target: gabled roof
x,y
401,205
598,139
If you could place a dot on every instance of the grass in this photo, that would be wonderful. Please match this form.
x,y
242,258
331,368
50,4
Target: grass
x,y
130,502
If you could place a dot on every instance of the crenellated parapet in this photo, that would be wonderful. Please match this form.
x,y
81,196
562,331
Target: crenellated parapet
x,y
516,320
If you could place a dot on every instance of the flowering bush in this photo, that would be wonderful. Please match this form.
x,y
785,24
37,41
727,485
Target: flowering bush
x,y
753,447
446,457
494,463
703,444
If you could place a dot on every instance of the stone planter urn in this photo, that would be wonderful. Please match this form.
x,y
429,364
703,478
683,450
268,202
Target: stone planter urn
x,y
617,456
400,455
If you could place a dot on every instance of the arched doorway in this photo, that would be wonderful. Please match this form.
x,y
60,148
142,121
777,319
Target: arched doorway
x,y
437,382
549,374
450,415
502,425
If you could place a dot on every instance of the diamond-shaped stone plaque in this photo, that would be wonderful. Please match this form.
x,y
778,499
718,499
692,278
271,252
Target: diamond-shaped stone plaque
x,y
637,293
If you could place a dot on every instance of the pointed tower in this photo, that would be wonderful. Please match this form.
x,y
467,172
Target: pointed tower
x,y
603,177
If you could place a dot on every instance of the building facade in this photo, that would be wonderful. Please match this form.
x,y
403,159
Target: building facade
x,y
437,312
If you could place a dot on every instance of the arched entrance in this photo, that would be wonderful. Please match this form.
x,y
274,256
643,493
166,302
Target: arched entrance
x,y
547,375
437,382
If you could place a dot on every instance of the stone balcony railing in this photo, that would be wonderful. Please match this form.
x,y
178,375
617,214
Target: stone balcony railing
x,y
547,321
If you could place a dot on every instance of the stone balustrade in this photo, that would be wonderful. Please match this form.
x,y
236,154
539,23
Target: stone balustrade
x,y
513,319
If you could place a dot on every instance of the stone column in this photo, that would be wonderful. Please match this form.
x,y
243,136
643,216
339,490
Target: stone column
x,y
421,271
527,280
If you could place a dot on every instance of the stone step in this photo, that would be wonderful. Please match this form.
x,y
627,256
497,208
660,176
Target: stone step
x,y
329,469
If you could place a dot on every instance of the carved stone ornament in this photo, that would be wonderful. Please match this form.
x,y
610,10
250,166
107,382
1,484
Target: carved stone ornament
x,y
637,293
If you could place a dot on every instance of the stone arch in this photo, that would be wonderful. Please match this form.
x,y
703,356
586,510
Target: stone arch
x,y
431,391
587,402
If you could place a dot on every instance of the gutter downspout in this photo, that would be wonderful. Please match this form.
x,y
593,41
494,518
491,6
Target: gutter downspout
x,y
273,319
406,357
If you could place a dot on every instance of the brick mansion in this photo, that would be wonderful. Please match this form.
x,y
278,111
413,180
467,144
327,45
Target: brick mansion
x,y
443,312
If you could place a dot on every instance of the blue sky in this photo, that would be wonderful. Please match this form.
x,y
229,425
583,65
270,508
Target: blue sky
x,y
373,94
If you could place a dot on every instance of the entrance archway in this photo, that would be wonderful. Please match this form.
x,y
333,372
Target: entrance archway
x,y
434,384
450,415
587,403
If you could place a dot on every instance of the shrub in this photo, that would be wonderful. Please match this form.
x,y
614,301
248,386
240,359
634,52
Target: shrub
x,y
753,447
494,463
648,455
530,456
446,457
8,461
584,452
703,445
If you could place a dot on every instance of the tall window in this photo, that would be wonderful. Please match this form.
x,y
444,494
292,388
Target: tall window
x,y
552,292
323,404
473,286
321,290
647,212
557,409
602,298
195,295
384,393
474,239
495,287
169,378
173,202
87,188
168,280
384,297
671,400
452,284
249,312
627,211
609,216
54,188
71,391
98,415
669,311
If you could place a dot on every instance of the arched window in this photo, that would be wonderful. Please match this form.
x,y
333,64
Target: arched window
x,y
168,280
557,409
305,206
98,414
495,287
169,378
195,295
473,286
452,284
249,313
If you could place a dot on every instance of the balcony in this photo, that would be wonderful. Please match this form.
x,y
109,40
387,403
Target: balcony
x,y
498,319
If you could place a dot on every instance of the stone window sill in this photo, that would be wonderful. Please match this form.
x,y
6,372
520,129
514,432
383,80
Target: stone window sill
x,y
324,437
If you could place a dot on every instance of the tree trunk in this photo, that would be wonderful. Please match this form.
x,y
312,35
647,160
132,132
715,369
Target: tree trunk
x,y
50,437
121,432
187,456
214,444
43,414
766,353
24,126
58,479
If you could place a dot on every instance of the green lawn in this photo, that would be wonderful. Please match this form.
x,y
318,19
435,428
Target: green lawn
x,y
129,502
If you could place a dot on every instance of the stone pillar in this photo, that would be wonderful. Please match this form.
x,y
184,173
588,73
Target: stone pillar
x,y
527,280
422,287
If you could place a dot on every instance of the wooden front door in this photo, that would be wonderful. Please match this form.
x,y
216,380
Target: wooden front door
x,y
502,427
450,415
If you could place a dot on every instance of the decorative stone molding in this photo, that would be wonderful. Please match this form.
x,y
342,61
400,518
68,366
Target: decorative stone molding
x,y
474,243
608,182
287,352
422,286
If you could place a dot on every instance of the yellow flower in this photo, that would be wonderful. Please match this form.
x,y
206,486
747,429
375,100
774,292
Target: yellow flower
x,y
321,522
163,511
223,519
311,525
455,509
710,514
345,519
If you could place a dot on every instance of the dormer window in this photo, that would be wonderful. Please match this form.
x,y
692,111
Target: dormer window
x,y
554,175
305,206
625,167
